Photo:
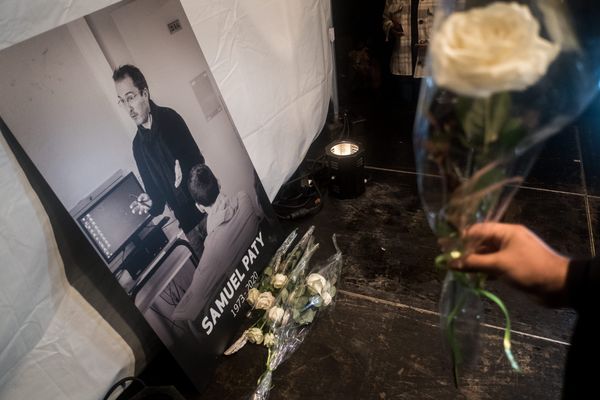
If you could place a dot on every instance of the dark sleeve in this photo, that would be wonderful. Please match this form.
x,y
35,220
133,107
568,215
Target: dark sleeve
x,y
185,148
583,284
158,201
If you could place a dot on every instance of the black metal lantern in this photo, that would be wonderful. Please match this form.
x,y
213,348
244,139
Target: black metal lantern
x,y
346,162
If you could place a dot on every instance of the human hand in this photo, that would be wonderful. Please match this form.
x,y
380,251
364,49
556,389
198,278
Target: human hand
x,y
141,205
516,253
178,174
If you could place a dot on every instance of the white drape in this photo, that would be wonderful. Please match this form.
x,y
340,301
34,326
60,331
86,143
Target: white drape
x,y
53,344
272,62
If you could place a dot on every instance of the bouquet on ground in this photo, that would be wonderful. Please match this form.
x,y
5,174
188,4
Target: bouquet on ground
x,y
505,76
289,298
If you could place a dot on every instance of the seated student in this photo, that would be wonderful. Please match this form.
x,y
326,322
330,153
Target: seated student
x,y
231,226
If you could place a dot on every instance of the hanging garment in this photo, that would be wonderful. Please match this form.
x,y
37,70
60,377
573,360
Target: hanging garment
x,y
397,26
424,29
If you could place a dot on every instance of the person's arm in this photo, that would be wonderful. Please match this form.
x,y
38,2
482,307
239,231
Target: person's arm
x,y
516,253
186,147
583,284
183,147
389,22
157,201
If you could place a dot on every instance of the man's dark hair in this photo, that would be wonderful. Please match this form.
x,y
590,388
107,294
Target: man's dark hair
x,y
127,70
203,185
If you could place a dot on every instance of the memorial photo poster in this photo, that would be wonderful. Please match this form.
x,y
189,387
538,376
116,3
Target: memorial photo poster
x,y
121,115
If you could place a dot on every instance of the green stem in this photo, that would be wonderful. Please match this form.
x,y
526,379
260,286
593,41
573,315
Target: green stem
x,y
506,342
262,320
462,279
488,112
451,337
268,367
269,359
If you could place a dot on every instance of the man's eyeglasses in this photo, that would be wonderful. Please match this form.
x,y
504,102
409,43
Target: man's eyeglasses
x,y
127,100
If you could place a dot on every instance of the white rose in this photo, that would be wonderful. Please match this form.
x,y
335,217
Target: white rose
x,y
326,298
264,301
316,283
269,340
490,49
278,281
254,335
253,296
276,314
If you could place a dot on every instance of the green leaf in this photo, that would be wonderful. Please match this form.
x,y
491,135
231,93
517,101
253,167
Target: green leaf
x,y
266,287
485,121
300,302
295,314
444,229
463,106
306,317
284,294
512,133
473,121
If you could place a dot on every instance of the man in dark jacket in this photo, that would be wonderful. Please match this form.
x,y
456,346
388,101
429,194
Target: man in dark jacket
x,y
164,151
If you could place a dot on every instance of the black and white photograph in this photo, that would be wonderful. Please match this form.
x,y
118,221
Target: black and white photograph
x,y
120,113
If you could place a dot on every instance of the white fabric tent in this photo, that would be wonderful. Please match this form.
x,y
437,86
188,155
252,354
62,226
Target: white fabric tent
x,y
273,64
53,344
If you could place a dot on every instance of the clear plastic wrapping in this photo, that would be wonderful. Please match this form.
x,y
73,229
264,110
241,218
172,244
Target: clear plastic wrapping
x,y
481,117
289,297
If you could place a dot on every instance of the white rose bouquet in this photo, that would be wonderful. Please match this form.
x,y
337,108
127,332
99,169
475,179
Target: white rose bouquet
x,y
300,297
504,77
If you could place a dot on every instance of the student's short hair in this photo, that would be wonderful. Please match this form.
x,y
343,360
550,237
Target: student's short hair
x,y
127,70
203,185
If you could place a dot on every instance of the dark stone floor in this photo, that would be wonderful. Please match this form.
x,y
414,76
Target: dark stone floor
x,y
383,339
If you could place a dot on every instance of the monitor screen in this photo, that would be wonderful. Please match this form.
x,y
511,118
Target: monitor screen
x,y
109,222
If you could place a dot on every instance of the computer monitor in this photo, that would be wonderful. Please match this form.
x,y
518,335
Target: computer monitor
x,y
107,220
